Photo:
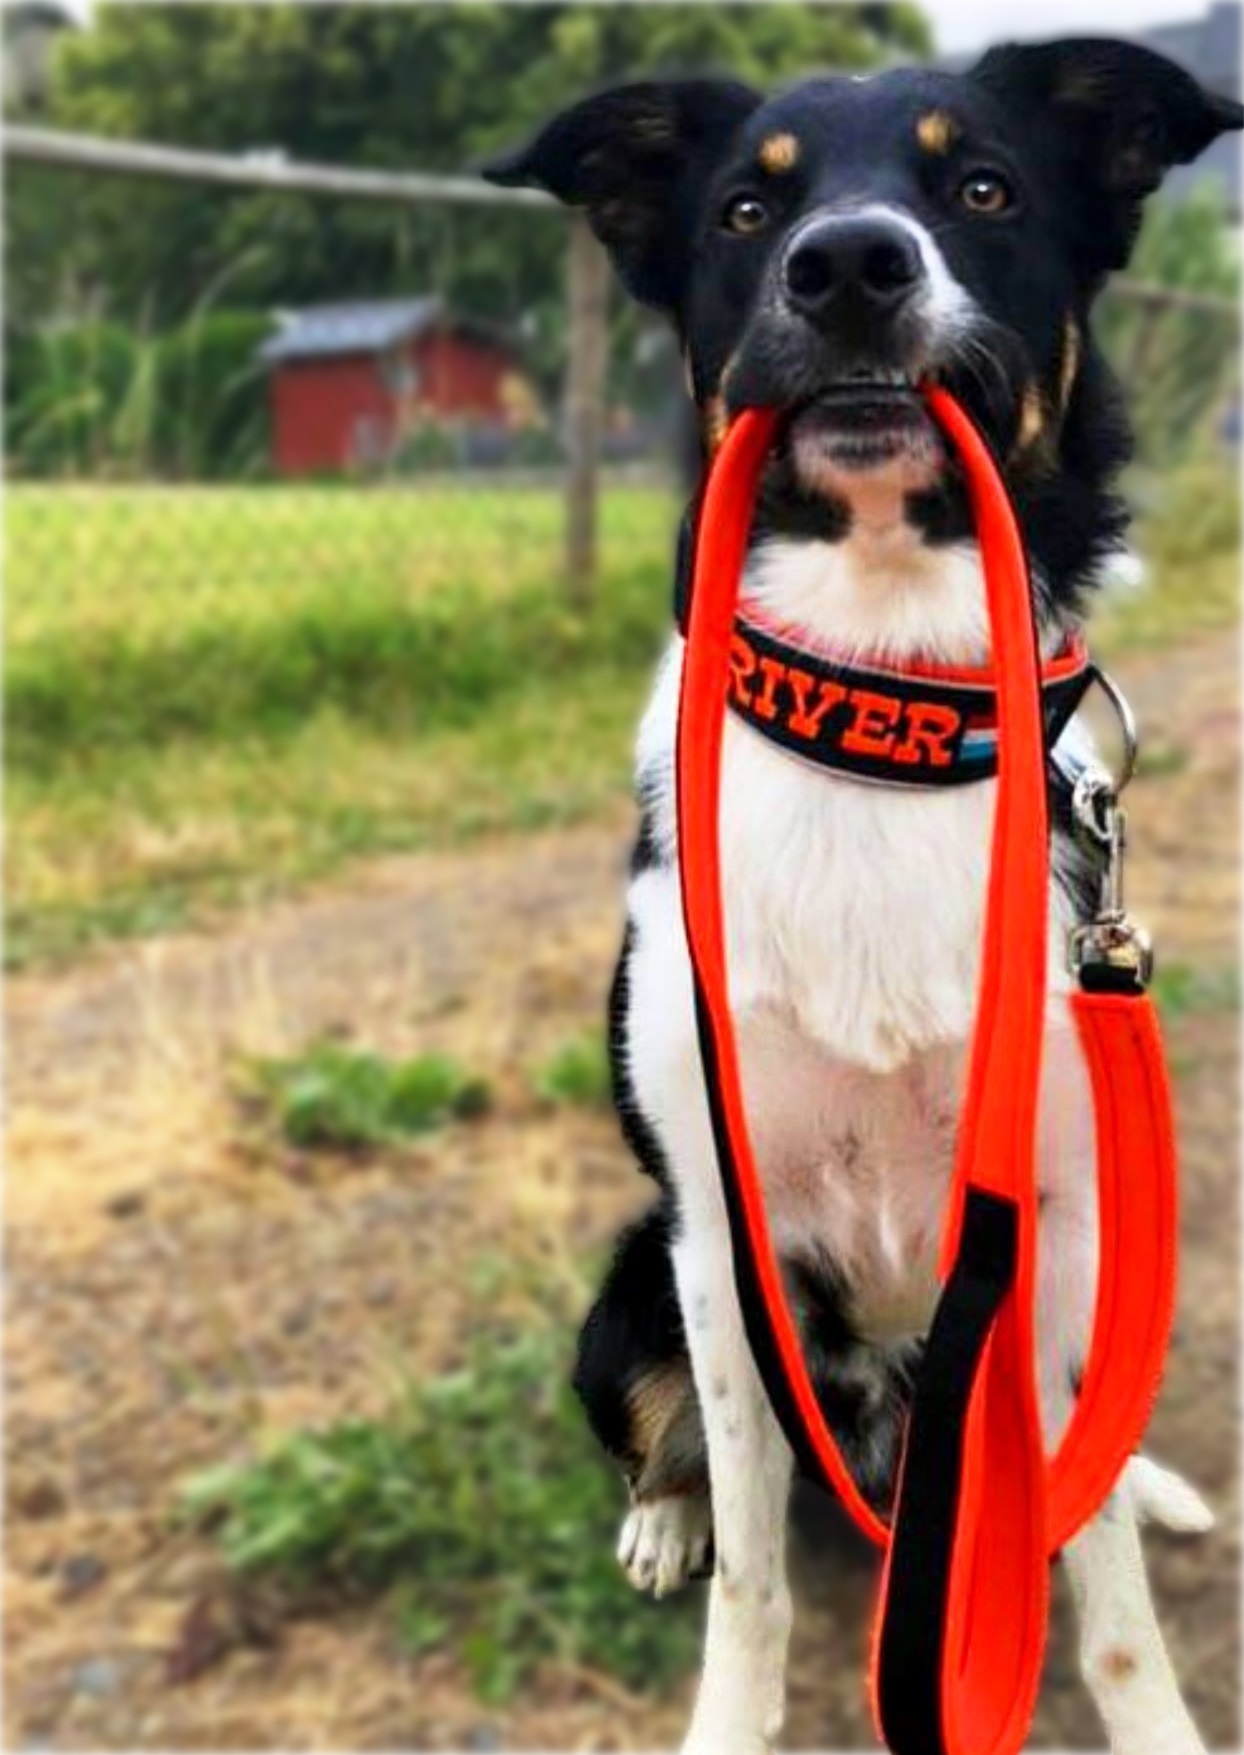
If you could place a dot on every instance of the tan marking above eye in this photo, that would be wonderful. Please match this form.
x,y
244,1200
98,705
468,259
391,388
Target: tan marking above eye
x,y
780,152
937,131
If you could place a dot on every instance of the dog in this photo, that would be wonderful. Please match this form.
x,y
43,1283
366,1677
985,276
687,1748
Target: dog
x,y
825,251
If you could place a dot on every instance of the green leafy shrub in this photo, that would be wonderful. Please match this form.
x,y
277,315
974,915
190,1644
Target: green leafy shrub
x,y
1189,536
433,445
577,1074
1178,365
480,1505
99,400
66,396
351,1100
211,421
1180,990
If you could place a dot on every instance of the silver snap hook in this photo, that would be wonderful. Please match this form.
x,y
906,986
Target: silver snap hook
x,y
1127,724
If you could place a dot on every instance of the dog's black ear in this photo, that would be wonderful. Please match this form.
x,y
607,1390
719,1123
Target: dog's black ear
x,y
1114,117
636,158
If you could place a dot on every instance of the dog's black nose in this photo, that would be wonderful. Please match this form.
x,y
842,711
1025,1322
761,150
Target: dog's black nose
x,y
865,261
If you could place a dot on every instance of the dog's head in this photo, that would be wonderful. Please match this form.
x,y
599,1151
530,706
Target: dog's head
x,y
825,250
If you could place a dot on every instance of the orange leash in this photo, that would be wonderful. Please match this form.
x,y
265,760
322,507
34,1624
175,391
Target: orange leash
x,y
961,1623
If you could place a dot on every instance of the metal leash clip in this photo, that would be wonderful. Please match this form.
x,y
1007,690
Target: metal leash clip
x,y
1112,944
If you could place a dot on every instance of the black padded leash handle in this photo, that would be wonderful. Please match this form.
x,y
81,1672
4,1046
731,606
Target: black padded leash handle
x,y
910,1654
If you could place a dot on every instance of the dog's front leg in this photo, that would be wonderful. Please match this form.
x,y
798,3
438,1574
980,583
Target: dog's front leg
x,y
1123,1659
742,1688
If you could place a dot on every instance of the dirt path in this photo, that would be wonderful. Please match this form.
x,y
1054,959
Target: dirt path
x,y
170,1298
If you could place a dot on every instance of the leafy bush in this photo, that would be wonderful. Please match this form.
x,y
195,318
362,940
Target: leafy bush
x,y
1178,365
436,445
1194,514
67,393
432,445
1186,242
211,419
480,1504
535,448
342,1097
577,1074
1180,990
1189,536
101,400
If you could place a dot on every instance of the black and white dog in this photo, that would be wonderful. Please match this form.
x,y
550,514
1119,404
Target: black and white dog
x,y
822,251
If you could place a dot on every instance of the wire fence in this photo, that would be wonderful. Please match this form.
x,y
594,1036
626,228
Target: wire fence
x,y
237,470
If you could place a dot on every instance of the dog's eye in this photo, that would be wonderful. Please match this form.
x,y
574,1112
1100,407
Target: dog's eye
x,y
745,215
986,192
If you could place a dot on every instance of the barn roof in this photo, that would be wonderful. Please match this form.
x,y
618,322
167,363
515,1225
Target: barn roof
x,y
358,326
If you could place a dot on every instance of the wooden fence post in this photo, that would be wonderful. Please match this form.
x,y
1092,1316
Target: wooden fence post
x,y
587,356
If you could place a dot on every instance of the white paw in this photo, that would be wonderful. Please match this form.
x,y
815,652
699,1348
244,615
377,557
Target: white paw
x,y
1180,1738
665,1541
724,1743
1185,1743
721,1739
1160,1496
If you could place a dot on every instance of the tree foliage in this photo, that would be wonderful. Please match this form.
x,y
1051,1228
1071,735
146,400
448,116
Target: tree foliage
x,y
415,86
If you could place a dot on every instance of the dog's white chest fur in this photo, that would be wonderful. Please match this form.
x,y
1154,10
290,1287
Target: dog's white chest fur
x,y
859,906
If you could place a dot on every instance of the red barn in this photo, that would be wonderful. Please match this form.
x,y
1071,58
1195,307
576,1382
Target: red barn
x,y
347,382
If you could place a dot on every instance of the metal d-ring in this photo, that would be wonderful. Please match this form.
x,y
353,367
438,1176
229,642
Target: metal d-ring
x,y
1127,723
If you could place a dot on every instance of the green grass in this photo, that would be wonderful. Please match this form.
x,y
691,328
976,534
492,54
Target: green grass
x,y
217,695
479,1507
1182,991
577,1074
351,1100
1190,539
157,561
420,628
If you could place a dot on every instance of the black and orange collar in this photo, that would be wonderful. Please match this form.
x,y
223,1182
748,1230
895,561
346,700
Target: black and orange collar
x,y
905,725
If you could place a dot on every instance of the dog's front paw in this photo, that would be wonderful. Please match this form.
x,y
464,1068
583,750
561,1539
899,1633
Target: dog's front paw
x,y
711,1739
1162,1497
665,1542
1181,1738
